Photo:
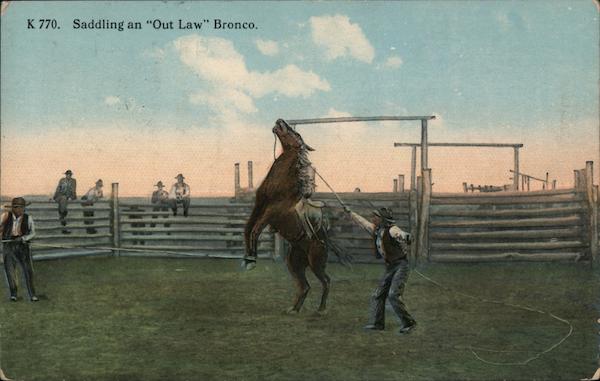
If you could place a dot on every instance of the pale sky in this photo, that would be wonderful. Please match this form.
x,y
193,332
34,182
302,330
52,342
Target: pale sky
x,y
138,106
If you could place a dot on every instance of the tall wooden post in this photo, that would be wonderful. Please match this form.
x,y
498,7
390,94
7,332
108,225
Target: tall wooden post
x,y
395,187
413,169
576,181
423,229
424,146
413,205
516,173
592,209
465,188
553,184
401,183
237,179
116,229
546,185
250,175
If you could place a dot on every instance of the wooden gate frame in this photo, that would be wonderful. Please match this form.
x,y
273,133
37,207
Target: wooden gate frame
x,y
420,227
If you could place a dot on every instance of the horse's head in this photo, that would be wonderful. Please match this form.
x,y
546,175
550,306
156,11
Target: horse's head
x,y
288,137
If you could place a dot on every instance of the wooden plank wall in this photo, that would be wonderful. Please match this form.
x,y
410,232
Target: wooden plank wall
x,y
214,228
544,225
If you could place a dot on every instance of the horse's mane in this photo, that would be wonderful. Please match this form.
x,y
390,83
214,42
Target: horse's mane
x,y
303,166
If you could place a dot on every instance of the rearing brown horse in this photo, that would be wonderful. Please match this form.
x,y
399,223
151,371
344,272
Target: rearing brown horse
x,y
287,183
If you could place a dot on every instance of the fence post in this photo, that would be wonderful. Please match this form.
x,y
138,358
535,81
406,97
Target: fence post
x,y
423,230
592,209
237,179
412,223
395,187
116,229
250,175
413,169
401,183
516,169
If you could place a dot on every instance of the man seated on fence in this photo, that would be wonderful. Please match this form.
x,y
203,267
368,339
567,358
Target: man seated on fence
x,y
94,194
65,190
180,194
17,230
391,244
161,202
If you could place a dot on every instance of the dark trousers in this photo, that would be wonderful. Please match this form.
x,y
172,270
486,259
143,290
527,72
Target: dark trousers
x,y
13,253
391,287
88,211
161,207
185,202
62,208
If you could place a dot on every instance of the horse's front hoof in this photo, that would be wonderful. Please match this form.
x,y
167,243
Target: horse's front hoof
x,y
291,311
321,312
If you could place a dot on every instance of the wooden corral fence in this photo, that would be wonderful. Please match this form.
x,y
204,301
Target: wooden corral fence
x,y
88,227
548,225
544,225
214,228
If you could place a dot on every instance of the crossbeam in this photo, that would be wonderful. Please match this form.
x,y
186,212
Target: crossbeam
x,y
492,145
346,119
531,177
514,146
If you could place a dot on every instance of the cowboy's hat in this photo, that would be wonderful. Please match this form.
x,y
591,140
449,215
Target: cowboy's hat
x,y
68,172
179,175
17,201
385,214
159,184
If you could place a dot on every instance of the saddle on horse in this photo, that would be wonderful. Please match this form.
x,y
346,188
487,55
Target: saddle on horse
x,y
311,215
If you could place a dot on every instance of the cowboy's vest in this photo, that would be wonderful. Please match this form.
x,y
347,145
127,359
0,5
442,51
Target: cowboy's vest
x,y
8,226
393,251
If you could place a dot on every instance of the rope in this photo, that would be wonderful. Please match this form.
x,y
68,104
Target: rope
x,y
482,300
111,248
330,188
517,306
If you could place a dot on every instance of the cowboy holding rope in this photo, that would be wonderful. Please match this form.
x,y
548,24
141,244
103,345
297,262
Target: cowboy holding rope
x,y
391,244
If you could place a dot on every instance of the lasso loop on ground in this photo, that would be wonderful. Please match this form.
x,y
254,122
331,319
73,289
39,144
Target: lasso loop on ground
x,y
525,308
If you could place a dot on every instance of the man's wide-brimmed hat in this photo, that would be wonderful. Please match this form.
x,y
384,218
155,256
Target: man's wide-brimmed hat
x,y
68,172
160,184
179,175
385,214
18,201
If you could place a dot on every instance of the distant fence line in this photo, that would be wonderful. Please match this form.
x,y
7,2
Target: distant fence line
x,y
549,225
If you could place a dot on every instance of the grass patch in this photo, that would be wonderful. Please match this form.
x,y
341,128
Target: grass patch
x,y
157,319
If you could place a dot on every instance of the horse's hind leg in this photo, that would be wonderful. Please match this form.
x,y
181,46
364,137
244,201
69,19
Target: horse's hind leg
x,y
297,263
317,260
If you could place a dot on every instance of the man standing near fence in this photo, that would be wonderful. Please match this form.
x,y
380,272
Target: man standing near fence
x,y
17,230
391,243
180,194
65,190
